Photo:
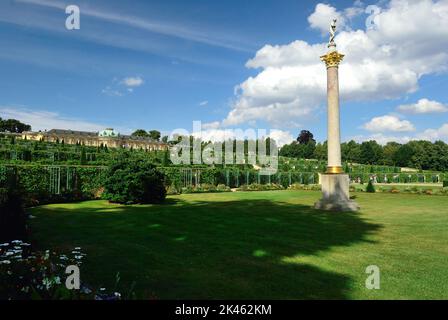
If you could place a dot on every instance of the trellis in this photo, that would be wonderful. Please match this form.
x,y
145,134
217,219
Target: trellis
x,y
187,177
55,180
70,178
236,177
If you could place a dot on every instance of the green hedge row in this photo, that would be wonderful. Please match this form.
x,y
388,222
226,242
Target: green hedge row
x,y
47,184
400,177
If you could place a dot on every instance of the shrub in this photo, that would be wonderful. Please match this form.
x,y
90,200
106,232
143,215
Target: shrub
x,y
134,181
12,213
370,187
204,188
394,190
445,184
222,188
172,190
260,187
298,186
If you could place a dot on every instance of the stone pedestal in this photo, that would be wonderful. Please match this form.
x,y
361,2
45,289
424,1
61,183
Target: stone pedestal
x,y
335,193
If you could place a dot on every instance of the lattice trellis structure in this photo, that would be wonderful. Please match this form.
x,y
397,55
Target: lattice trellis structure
x,y
54,180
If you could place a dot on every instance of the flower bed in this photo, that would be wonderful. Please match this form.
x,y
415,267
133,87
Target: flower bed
x,y
25,274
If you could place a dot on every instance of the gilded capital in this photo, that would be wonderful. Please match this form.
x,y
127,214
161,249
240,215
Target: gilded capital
x,y
332,59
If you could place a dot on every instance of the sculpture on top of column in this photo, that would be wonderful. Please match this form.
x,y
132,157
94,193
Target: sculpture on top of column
x,y
331,42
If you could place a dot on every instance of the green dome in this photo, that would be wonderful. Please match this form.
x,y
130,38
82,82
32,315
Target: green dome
x,y
109,132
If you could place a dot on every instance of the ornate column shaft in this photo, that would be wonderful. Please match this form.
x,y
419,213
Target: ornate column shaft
x,y
332,60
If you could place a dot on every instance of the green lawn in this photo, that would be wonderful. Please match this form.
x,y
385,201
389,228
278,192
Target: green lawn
x,y
257,245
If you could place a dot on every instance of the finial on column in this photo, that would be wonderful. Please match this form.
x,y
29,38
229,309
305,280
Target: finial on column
x,y
333,57
331,43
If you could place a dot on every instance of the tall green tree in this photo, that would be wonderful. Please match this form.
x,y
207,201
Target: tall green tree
x,y
140,133
305,137
371,152
13,125
155,135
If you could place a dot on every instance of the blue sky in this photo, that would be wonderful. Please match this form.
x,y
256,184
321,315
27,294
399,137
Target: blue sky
x,y
163,64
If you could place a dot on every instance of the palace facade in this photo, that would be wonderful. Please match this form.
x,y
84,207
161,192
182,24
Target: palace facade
x,y
107,137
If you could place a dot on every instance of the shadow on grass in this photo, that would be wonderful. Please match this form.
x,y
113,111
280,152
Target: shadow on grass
x,y
207,250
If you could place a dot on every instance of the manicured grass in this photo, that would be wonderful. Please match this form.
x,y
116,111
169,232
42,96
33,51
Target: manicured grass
x,y
257,245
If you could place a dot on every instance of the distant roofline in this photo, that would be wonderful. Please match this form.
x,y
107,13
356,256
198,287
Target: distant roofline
x,y
92,133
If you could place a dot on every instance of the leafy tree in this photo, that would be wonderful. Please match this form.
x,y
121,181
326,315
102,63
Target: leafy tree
x,y
297,150
166,159
350,151
83,157
165,139
389,152
134,181
140,133
13,125
371,152
155,135
305,137
403,155
320,151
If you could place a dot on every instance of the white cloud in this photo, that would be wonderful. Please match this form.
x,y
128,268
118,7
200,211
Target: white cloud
x,y
111,92
322,15
121,87
423,106
220,135
436,134
388,123
132,81
409,40
382,138
45,120
281,137
211,125
203,103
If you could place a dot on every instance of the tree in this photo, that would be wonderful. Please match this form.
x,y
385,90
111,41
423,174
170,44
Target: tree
x,y
389,151
13,125
140,133
166,159
305,137
83,157
297,150
403,155
370,187
371,152
134,181
165,139
320,152
155,135
350,151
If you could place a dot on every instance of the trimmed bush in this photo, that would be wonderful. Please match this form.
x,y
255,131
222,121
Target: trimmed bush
x,y
370,187
134,181
12,213
260,187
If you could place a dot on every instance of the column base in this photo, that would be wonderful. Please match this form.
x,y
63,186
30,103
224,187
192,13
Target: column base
x,y
335,193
